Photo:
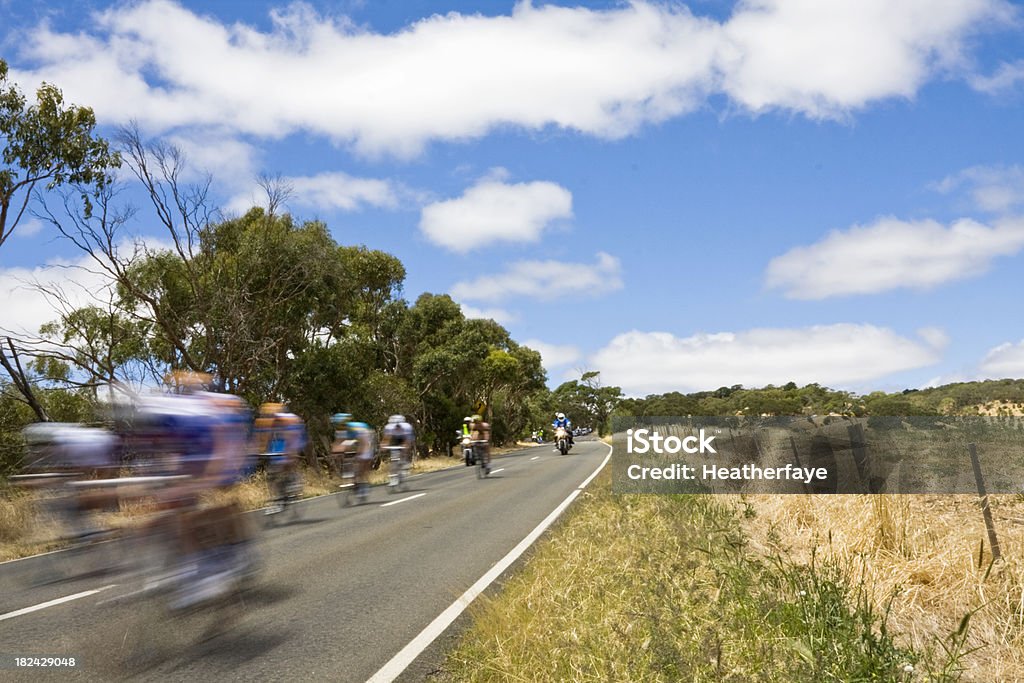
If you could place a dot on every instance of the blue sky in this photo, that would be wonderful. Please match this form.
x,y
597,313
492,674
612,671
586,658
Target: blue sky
x,y
681,196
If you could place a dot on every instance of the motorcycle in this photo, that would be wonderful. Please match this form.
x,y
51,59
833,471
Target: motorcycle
x,y
468,452
562,440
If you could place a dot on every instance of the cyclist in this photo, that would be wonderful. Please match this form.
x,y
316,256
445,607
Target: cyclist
x,y
398,432
281,435
565,423
356,439
481,431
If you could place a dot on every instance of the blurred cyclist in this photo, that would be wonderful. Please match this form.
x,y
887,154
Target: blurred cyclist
x,y
399,433
281,436
355,440
480,432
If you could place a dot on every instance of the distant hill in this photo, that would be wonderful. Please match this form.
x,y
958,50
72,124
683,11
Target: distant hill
x,y
988,397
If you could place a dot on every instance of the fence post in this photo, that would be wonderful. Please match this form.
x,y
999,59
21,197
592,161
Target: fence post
x,y
986,511
796,457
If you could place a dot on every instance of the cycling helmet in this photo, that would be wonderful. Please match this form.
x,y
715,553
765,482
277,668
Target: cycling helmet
x,y
340,419
467,419
396,419
271,409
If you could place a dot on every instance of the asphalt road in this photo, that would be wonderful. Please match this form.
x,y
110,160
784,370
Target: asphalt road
x,y
342,590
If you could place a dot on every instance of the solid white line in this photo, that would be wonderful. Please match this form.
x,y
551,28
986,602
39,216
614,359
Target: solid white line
x,y
500,469
534,457
417,645
599,468
51,603
402,500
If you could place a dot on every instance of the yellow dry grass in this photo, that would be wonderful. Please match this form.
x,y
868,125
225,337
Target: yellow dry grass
x,y
929,554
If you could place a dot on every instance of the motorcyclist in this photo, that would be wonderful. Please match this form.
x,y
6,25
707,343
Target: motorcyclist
x,y
464,436
481,431
565,423
398,432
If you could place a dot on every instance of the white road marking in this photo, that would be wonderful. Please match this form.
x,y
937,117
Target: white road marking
x,y
500,469
51,603
534,457
402,500
417,645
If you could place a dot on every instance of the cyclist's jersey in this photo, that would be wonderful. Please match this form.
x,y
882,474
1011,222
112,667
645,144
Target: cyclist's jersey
x,y
364,438
398,434
287,438
63,446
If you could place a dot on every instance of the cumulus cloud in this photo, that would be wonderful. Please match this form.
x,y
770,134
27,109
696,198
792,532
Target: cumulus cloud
x,y
554,355
892,253
545,280
79,281
828,58
996,189
602,72
1005,360
328,191
28,227
1005,78
498,315
494,211
25,308
843,354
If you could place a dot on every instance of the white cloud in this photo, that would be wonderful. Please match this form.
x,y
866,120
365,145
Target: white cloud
x,y
828,58
25,308
29,227
834,355
494,211
1006,77
1005,360
327,192
891,253
554,355
455,77
997,189
547,280
498,315
232,162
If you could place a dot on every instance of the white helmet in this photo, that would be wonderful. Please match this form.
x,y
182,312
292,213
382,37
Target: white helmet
x,y
396,419
561,416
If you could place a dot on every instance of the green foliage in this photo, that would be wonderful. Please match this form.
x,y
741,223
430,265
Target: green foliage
x,y
45,143
586,402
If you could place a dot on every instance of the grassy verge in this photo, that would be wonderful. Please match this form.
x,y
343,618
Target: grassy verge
x,y
926,559
660,588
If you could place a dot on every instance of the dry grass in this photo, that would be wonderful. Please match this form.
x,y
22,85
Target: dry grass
x,y
663,588
929,555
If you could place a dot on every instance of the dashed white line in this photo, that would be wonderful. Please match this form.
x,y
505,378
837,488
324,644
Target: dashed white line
x,y
52,603
417,645
402,500
500,469
534,457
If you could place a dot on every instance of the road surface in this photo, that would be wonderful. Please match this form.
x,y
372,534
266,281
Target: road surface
x,y
344,594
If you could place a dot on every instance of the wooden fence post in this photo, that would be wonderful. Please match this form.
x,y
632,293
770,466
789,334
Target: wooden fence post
x,y
986,511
